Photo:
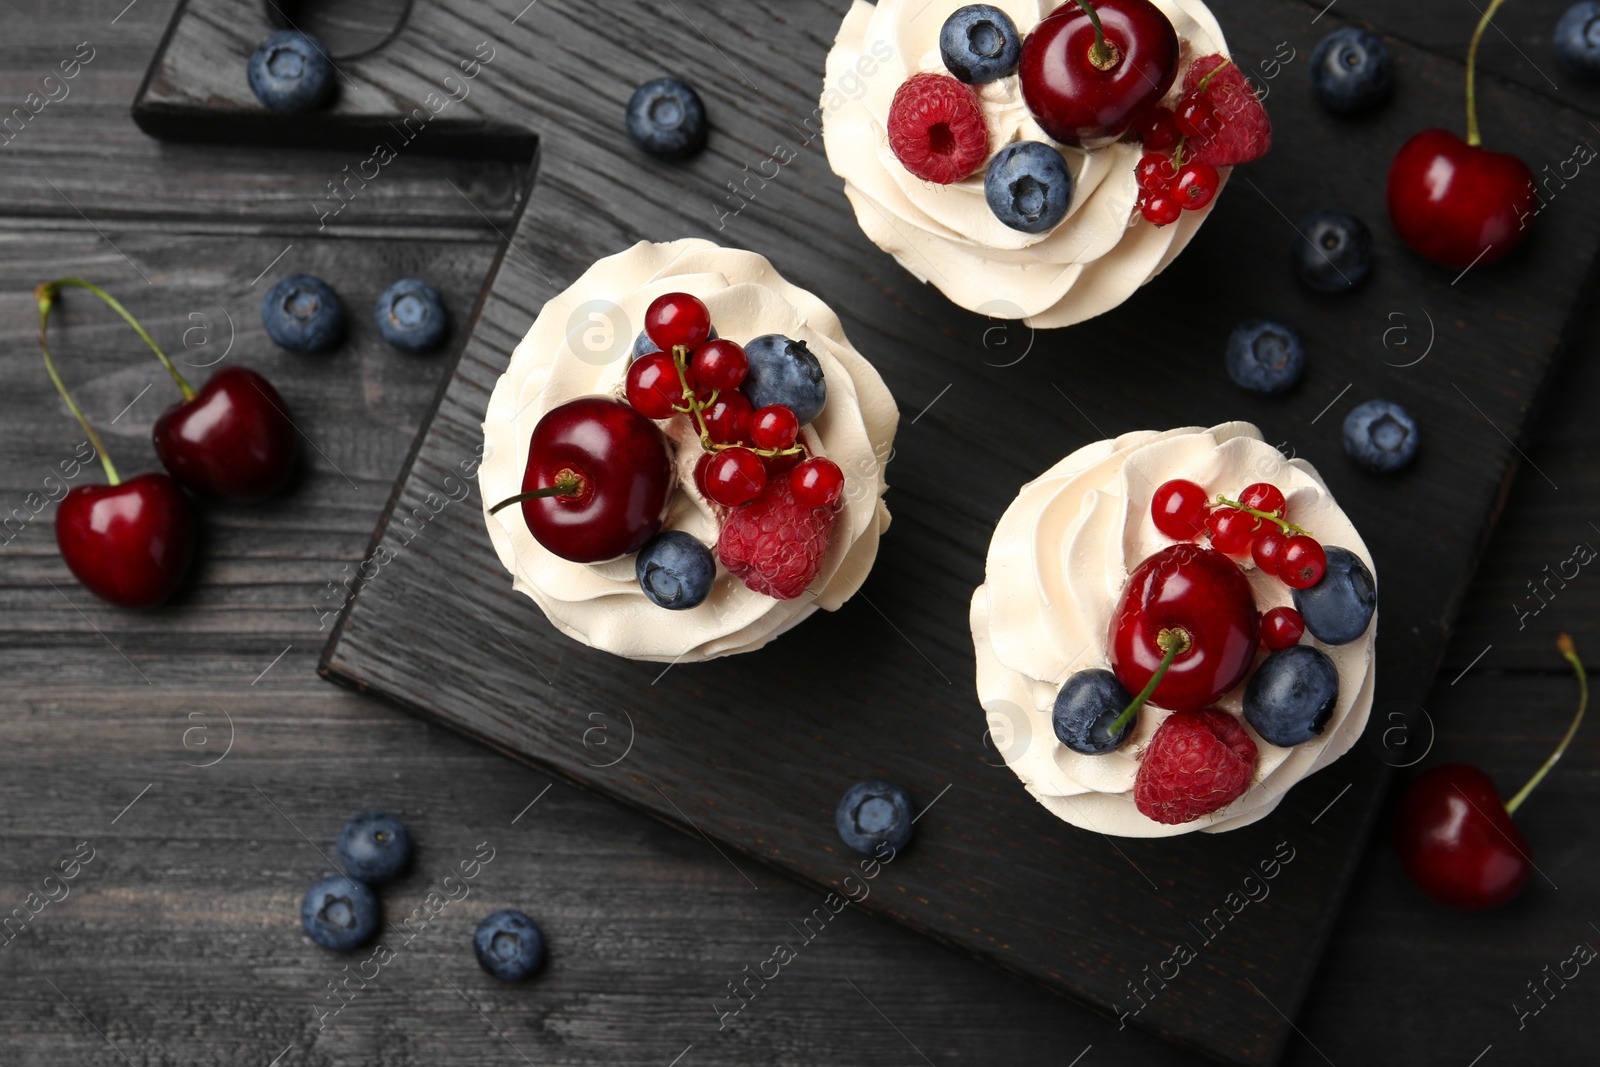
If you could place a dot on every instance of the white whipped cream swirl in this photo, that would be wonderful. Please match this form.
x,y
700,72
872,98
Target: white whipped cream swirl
x,y
579,346
1056,569
946,234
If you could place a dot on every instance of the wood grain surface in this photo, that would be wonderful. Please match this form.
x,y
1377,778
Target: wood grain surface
x,y
180,943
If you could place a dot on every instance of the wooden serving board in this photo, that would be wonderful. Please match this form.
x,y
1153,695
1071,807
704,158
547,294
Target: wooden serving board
x,y
753,752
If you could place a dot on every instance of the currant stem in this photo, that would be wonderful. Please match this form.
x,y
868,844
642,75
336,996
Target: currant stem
x,y
571,486
1212,73
1271,516
1174,643
696,411
1104,54
46,294
78,283
1475,138
1564,643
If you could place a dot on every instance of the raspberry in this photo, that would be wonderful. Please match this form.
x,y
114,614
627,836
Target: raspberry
x,y
1197,762
774,545
936,128
1238,130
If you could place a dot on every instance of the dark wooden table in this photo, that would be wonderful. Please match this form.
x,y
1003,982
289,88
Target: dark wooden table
x,y
179,941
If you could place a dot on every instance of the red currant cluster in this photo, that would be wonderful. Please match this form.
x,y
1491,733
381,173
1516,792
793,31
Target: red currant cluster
x,y
1168,185
698,377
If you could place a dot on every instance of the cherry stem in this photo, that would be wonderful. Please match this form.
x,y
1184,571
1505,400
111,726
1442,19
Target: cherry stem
x,y
568,483
1271,516
46,294
1104,54
78,283
1173,643
1475,138
1564,643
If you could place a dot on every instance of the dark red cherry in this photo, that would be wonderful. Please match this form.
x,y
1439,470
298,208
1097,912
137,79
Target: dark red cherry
x,y
129,544
233,440
1457,841
1456,203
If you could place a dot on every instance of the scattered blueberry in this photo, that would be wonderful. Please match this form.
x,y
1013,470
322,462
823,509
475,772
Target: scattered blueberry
x,y
1085,709
1265,357
1290,697
871,814
1028,186
508,945
1381,436
643,346
374,847
1351,70
675,570
667,119
339,913
1335,253
410,315
1338,608
980,44
785,372
291,72
1578,39
303,314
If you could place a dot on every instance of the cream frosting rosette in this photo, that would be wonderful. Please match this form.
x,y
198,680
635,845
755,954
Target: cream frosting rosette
x,y
1056,568
946,234
579,346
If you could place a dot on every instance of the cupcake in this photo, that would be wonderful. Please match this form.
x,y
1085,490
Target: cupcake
x,y
1174,628
686,456
985,149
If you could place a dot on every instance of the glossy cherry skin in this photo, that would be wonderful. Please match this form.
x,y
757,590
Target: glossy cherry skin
x,y
1202,592
1449,200
129,544
1457,841
624,465
233,440
1075,102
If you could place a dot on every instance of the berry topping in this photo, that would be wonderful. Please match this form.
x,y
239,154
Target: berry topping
x,y
1338,609
1155,172
1179,509
1265,357
734,476
1232,531
1197,762
643,346
374,847
1332,252
1381,436
653,387
1303,562
667,119
719,365
1157,127
1029,187
937,129
1087,711
1264,496
677,319
776,545
1291,696
509,945
1161,208
817,483
675,570
773,428
1281,628
783,371
1195,185
980,44
1351,70
1266,548
727,419
1237,129
873,814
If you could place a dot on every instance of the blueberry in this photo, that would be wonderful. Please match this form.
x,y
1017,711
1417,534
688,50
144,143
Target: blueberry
x,y
303,314
374,847
675,570
1578,39
1291,695
1338,608
667,119
1085,709
1332,251
1381,436
339,913
1265,357
410,315
508,945
871,814
643,346
1351,70
1028,186
290,72
980,44
785,372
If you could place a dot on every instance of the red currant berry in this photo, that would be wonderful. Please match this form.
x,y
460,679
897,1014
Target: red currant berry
x,y
1264,496
1282,627
1195,185
1303,563
1231,530
1179,509
701,465
728,420
719,364
1267,550
1158,128
653,386
677,319
735,476
1196,115
774,428
1154,172
1161,208
785,462
816,483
